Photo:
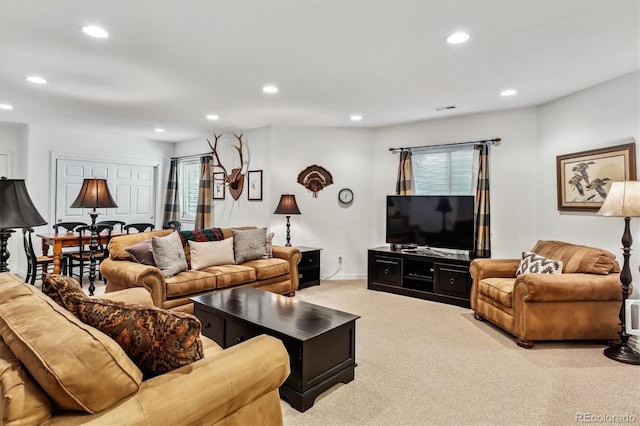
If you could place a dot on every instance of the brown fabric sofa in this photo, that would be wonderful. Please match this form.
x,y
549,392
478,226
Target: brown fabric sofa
x,y
583,302
278,274
56,370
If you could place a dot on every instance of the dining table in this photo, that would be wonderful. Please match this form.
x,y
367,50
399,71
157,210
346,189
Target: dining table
x,y
60,240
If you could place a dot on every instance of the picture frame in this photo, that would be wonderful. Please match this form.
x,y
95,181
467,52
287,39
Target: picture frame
x,y
254,189
585,177
219,189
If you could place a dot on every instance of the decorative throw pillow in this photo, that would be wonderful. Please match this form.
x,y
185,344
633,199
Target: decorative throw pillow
x,y
535,264
64,290
249,244
156,340
201,235
141,252
211,253
168,254
268,244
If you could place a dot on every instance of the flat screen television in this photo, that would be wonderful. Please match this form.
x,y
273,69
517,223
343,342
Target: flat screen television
x,y
431,220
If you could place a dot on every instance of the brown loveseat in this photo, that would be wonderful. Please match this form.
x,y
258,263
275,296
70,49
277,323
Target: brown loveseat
x,y
582,302
278,274
56,370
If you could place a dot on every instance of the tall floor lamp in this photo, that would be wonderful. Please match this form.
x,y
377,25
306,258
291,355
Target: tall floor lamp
x,y
623,200
16,211
287,206
94,194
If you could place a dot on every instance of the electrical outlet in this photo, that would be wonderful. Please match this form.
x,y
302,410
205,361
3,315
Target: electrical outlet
x,y
340,259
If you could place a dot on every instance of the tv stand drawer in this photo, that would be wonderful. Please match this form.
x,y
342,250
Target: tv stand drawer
x,y
387,270
452,281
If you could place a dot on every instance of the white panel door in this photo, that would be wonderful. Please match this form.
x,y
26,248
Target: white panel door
x,y
132,187
5,164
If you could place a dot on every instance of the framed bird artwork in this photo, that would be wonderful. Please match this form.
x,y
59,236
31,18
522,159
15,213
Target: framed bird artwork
x,y
584,178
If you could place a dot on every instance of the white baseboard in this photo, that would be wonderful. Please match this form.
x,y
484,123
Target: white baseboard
x,y
340,276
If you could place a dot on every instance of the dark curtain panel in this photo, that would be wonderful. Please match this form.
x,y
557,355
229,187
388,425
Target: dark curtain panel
x,y
403,183
483,205
203,212
172,198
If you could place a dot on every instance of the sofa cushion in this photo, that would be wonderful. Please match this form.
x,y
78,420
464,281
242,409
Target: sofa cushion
x,y
65,356
231,275
142,253
190,282
157,340
22,400
168,254
119,243
532,263
211,253
577,258
269,268
498,289
249,244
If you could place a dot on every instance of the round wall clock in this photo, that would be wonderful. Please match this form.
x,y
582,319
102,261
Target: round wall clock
x,y
345,196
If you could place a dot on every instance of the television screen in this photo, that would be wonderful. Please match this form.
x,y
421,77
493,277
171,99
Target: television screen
x,y
431,220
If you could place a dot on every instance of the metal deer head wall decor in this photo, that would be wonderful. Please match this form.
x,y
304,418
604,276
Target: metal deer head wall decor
x,y
314,178
234,180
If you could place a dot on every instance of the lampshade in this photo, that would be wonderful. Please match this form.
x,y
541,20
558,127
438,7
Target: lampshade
x,y
16,208
287,205
94,194
623,200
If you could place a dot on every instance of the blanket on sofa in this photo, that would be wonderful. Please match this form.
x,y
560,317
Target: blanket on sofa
x,y
201,235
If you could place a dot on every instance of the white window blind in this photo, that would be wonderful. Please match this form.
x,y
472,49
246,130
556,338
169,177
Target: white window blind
x,y
444,170
189,182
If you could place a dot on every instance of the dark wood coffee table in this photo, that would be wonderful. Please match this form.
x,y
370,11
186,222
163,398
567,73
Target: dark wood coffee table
x,y
321,342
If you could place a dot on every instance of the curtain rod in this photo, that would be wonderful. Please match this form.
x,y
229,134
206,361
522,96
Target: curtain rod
x,y
491,141
191,156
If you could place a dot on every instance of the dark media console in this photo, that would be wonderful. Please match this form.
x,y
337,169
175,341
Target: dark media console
x,y
426,274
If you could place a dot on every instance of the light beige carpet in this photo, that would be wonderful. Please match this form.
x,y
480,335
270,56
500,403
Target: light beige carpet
x,y
424,363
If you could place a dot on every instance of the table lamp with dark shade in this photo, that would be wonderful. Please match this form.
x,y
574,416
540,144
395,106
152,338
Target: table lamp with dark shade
x,y
94,194
287,206
16,211
623,200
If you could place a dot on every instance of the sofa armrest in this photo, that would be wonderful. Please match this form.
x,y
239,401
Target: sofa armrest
x,y
293,256
218,385
122,274
490,268
136,295
533,288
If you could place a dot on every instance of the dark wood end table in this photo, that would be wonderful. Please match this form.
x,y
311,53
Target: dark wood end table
x,y
321,341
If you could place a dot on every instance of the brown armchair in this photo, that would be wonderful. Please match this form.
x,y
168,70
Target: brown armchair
x,y
583,302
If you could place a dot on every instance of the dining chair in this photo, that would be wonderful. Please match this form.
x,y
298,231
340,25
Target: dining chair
x,y
67,226
114,223
139,227
34,262
83,256
173,224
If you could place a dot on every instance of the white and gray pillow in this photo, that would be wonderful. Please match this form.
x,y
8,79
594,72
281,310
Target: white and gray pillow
x,y
168,254
533,263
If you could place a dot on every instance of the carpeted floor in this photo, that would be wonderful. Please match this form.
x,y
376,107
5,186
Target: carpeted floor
x,y
423,363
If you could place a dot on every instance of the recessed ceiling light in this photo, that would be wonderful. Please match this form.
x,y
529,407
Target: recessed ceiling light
x,y
158,130
356,117
212,117
508,92
270,89
6,106
35,79
457,38
95,31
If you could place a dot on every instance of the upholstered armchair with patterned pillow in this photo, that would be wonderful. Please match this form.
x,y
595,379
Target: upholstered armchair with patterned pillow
x,y
557,291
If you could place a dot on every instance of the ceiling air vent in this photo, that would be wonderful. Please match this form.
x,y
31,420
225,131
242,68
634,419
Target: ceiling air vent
x,y
442,108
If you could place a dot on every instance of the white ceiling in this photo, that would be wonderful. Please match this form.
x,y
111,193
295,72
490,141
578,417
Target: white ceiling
x,y
169,63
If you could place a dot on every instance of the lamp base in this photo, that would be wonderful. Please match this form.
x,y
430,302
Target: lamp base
x,y
622,353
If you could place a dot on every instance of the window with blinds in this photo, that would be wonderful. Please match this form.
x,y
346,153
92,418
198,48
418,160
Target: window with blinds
x,y
189,182
444,170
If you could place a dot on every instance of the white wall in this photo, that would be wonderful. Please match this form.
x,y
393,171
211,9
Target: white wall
x,y
513,170
604,115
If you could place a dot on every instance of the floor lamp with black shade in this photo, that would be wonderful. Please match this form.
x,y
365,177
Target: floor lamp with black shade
x,y
287,206
623,200
16,211
94,194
